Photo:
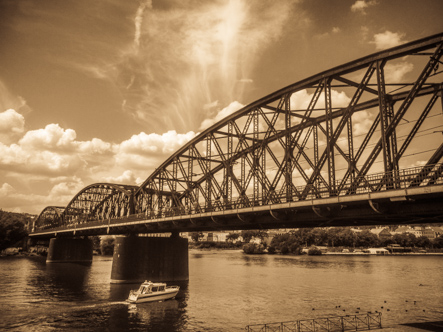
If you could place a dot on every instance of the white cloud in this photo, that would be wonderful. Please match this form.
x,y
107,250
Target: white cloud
x,y
396,72
361,122
146,151
12,125
301,99
53,163
51,138
6,189
127,177
361,5
67,189
223,113
387,39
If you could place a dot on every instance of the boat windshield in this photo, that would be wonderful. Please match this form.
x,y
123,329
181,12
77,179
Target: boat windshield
x,y
144,289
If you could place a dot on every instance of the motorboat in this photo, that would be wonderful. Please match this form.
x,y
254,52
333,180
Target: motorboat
x,y
153,291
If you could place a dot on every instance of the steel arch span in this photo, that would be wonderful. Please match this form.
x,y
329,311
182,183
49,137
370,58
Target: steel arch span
x,y
95,202
362,127
317,138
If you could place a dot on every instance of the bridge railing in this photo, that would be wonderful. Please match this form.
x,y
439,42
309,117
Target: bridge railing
x,y
327,324
401,179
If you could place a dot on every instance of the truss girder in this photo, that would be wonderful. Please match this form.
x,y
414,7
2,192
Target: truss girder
x,y
99,201
271,151
320,137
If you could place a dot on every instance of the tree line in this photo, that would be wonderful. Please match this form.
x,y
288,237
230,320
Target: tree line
x,y
294,240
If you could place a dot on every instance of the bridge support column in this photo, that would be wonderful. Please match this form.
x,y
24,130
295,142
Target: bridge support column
x,y
67,250
150,258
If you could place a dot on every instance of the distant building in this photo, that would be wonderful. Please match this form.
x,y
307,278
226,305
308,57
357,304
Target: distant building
x,y
438,231
376,251
382,233
417,231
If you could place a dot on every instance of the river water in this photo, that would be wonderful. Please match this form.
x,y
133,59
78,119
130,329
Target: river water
x,y
227,290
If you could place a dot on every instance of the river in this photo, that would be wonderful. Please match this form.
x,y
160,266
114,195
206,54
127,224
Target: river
x,y
227,290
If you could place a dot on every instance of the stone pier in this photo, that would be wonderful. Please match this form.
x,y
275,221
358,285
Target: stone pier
x,y
138,258
68,250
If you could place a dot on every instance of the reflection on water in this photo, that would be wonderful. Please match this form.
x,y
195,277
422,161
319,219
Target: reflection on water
x,y
226,291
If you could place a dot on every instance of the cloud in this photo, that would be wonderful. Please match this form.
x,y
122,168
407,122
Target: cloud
x,y
67,189
138,21
301,99
10,101
396,72
231,108
146,151
198,53
51,138
387,39
48,166
127,177
12,126
361,5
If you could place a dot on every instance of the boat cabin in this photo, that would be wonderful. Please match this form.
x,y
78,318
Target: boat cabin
x,y
149,287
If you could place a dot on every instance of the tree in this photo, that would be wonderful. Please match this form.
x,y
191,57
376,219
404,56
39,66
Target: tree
x,y
247,235
341,236
232,237
423,242
12,228
367,239
197,236
405,240
286,243
438,242
107,245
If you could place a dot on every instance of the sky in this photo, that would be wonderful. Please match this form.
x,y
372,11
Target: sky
x,y
106,90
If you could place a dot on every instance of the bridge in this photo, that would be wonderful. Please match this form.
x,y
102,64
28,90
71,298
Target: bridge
x,y
359,144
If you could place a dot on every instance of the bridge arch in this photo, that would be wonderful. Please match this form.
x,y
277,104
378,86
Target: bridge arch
x,y
50,217
317,138
100,201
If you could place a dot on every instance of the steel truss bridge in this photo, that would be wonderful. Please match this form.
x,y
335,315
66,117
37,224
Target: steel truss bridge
x,y
359,144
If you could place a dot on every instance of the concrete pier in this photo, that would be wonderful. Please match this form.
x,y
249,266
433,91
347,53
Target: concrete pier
x,y
137,259
67,250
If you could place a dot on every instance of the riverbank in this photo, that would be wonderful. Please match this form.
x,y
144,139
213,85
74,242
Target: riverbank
x,y
394,254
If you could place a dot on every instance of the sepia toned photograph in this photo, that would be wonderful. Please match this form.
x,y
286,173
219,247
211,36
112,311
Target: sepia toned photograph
x,y
221,165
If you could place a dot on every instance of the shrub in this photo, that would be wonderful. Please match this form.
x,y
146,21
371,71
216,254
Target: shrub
x,y
271,250
284,249
314,251
253,248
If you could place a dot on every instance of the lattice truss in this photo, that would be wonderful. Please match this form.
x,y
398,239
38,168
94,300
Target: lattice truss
x,y
99,201
320,137
50,217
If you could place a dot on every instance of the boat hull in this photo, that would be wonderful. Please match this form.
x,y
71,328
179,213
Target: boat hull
x,y
159,296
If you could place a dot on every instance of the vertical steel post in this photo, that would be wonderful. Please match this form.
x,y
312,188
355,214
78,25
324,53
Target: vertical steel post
x,y
386,115
229,166
207,171
255,159
288,151
329,137
315,131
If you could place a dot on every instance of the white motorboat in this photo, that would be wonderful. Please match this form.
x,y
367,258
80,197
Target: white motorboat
x,y
153,291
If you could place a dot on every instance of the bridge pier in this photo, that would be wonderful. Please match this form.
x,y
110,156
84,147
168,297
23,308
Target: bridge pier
x,y
68,250
137,259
